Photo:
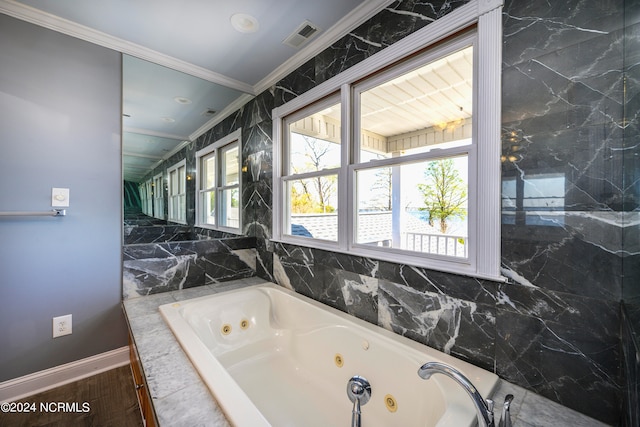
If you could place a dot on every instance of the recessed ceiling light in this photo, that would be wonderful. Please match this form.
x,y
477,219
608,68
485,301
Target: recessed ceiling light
x,y
244,23
167,119
182,100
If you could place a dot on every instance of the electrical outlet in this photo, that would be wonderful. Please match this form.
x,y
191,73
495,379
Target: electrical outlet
x,y
62,326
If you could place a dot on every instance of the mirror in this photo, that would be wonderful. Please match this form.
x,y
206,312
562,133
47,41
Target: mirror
x,y
163,110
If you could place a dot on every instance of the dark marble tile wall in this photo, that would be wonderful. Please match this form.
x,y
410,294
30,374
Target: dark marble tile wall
x,y
200,233
135,218
555,328
134,234
131,197
163,267
631,369
569,59
631,237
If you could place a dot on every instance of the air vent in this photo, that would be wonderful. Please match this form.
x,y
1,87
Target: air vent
x,y
301,35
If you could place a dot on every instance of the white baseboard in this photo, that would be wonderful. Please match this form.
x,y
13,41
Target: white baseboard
x,y
37,382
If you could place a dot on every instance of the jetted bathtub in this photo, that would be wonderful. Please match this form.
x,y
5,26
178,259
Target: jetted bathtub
x,y
273,357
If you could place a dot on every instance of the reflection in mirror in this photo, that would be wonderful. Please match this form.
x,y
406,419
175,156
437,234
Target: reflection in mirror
x,y
537,200
163,110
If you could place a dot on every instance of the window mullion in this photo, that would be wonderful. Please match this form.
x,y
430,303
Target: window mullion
x,y
314,174
216,190
345,191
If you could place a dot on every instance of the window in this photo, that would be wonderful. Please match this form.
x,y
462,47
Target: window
x,y
398,157
177,192
310,176
219,186
158,196
411,169
146,197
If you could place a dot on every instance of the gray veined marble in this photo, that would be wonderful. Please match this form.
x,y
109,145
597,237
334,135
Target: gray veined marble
x,y
358,294
462,328
555,360
180,398
570,206
155,275
156,268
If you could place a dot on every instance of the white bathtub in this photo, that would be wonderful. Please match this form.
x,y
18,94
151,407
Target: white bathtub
x,y
274,357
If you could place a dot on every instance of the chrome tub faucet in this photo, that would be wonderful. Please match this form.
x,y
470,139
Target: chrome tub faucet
x,y
484,407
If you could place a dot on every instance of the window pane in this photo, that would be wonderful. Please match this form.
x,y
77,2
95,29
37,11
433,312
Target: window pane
x,y
182,208
230,205
420,207
209,167
230,170
173,183
209,207
313,207
430,107
181,179
314,141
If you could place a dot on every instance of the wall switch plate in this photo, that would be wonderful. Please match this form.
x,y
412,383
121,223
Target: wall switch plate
x,y
62,325
60,197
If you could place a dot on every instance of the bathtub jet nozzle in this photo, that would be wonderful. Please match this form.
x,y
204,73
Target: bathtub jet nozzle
x,y
359,392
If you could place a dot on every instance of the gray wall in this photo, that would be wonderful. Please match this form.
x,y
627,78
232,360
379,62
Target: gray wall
x,y
60,126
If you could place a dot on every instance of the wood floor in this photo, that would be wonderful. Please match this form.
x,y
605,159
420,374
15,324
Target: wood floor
x,y
106,399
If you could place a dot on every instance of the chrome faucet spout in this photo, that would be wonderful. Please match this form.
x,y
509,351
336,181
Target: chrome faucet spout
x,y
484,408
359,392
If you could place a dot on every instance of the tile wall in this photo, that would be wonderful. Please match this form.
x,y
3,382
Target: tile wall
x,y
569,120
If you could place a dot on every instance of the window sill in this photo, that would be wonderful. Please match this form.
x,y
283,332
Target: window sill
x,y
458,267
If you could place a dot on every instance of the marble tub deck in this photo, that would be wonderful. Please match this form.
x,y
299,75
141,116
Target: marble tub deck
x,y
180,398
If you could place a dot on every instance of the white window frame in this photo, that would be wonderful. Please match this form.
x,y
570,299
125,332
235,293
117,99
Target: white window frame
x,y
483,19
149,187
158,196
181,217
143,197
218,147
288,175
146,191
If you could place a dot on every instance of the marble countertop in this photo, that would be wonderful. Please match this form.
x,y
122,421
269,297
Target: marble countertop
x,y
180,398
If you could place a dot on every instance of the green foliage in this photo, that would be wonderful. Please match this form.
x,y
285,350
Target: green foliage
x,y
445,193
303,201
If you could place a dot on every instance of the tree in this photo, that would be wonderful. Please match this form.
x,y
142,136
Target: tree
x,y
382,187
318,198
444,192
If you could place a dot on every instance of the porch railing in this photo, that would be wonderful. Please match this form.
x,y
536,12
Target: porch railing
x,y
436,244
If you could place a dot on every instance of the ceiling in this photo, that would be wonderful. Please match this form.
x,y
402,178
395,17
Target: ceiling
x,y
185,65
436,94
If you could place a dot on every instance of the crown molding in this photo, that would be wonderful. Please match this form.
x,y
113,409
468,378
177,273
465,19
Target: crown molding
x,y
142,131
64,26
363,12
238,103
359,15
142,156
